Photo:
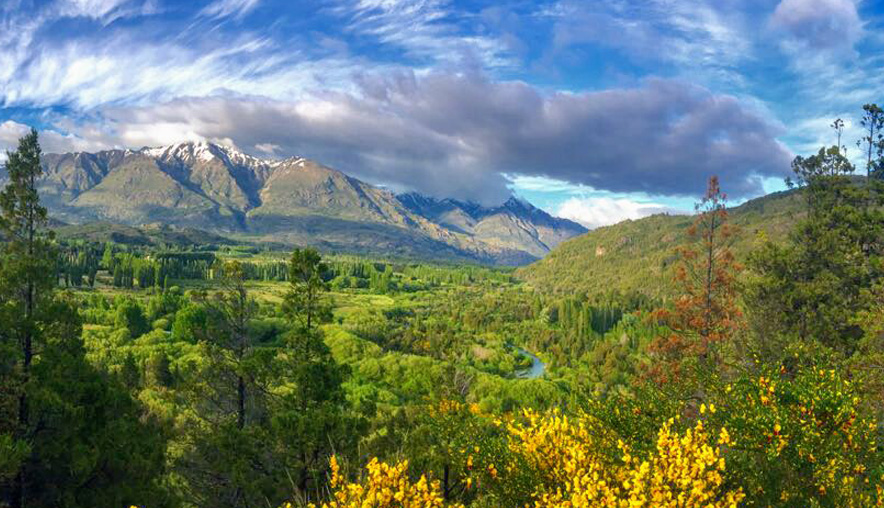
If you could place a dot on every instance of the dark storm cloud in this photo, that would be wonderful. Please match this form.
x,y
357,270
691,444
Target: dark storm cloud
x,y
458,134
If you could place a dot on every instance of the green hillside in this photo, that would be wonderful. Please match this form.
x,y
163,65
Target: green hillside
x,y
152,235
636,254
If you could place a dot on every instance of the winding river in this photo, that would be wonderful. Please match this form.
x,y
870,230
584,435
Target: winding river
x,y
537,367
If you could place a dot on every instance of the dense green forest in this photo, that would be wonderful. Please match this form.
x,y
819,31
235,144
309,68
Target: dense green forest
x,y
161,375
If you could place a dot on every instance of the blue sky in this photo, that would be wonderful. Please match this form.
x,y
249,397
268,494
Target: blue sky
x,y
595,110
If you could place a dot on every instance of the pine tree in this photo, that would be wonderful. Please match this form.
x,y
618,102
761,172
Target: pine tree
x,y
305,304
230,463
27,272
872,142
705,314
57,406
312,419
813,287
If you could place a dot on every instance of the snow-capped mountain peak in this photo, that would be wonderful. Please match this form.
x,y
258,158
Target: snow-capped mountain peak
x,y
205,151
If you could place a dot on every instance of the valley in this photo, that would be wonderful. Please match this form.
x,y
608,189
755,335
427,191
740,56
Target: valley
x,y
441,254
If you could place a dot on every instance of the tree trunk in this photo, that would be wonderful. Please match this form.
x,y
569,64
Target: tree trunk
x,y
241,403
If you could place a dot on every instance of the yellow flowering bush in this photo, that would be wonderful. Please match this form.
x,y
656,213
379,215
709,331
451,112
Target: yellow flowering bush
x,y
384,486
805,438
775,437
685,470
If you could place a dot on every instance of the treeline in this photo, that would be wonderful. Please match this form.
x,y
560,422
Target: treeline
x,y
79,265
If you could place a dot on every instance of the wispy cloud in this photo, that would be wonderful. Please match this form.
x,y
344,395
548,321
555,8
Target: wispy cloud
x,y
225,8
696,36
424,29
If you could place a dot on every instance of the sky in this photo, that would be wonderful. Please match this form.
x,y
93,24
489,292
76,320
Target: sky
x,y
597,111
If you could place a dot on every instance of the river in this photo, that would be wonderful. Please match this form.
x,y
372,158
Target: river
x,y
535,371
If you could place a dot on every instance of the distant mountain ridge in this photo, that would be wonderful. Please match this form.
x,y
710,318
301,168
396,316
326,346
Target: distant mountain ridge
x,y
515,223
295,200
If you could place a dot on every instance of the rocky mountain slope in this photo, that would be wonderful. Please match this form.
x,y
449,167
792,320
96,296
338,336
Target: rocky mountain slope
x,y
294,201
516,224
639,254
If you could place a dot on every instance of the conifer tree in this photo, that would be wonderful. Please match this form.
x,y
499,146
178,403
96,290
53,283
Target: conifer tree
x,y
305,304
872,141
58,408
311,418
813,286
229,462
27,273
705,314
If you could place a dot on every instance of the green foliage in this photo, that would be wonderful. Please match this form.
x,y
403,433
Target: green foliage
x,y
74,436
813,286
304,304
130,315
190,323
638,255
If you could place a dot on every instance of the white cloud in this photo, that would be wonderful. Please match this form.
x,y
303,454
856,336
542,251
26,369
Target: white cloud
x,y
268,148
51,141
224,8
10,132
88,8
426,29
819,24
594,212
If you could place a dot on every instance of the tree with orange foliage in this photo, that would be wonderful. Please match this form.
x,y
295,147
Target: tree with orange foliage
x,y
705,314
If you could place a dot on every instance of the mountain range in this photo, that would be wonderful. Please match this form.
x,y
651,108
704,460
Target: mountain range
x,y
294,201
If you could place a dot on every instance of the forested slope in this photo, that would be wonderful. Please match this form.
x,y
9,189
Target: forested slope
x,y
636,254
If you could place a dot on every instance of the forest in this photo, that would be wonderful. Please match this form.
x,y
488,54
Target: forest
x,y
244,377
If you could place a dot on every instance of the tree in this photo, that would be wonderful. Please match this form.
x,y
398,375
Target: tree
x,y
229,462
131,316
130,373
232,311
838,127
190,323
873,140
705,314
304,303
813,287
76,437
311,418
158,371
27,272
